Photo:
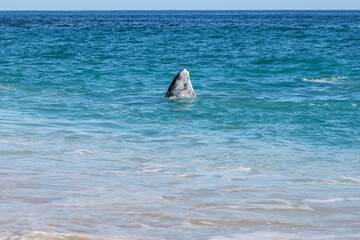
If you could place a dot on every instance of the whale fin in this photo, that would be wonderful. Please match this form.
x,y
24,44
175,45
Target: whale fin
x,y
181,86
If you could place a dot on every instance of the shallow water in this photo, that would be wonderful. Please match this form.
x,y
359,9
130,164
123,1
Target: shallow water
x,y
90,149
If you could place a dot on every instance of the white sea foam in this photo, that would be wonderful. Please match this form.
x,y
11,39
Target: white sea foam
x,y
242,169
325,200
283,236
272,204
82,151
259,235
147,170
2,87
331,80
16,142
353,179
40,235
331,200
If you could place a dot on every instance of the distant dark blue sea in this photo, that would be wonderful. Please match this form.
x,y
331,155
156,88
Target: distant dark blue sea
x,y
91,149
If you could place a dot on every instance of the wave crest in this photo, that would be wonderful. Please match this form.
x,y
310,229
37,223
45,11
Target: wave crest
x,y
331,80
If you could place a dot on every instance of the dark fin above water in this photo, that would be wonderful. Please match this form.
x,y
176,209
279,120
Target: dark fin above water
x,y
181,86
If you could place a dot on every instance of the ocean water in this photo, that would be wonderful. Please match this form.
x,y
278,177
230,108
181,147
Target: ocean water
x,y
90,149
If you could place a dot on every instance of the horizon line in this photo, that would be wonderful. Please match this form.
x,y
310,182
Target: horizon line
x,y
179,9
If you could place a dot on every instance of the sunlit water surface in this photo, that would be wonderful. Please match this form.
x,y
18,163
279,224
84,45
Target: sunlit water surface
x,y
89,148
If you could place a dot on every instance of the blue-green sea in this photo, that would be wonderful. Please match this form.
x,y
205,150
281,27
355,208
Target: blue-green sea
x,y
91,149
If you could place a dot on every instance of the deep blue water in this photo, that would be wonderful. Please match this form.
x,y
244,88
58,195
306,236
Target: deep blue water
x,y
268,150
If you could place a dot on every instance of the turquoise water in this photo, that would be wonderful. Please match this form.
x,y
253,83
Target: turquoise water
x,y
89,147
